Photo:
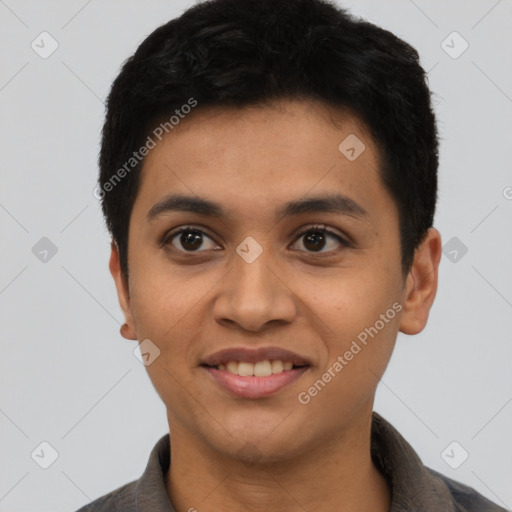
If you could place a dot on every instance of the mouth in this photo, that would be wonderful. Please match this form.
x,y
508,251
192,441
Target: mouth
x,y
263,368
255,380
255,372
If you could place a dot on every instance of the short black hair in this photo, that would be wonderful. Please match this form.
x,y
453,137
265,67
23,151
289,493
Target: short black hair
x,y
233,53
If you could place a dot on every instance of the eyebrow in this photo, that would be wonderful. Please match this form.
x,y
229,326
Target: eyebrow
x,y
325,203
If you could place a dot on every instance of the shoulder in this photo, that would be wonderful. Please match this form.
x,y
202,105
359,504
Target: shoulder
x,y
466,498
148,492
121,499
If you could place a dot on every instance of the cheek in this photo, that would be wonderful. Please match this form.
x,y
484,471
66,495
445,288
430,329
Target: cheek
x,y
349,303
166,312
172,309
359,324
162,296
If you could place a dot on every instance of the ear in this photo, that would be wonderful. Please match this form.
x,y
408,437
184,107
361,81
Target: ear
x,y
421,284
123,294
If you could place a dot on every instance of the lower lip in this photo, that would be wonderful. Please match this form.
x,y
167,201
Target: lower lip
x,y
255,387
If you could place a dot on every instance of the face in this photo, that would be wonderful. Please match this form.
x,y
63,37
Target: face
x,y
298,249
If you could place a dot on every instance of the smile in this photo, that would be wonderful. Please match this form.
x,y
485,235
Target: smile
x,y
246,380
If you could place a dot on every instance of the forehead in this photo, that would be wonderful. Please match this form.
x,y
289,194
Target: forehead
x,y
259,156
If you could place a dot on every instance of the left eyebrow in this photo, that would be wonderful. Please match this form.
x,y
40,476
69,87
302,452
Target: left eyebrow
x,y
326,203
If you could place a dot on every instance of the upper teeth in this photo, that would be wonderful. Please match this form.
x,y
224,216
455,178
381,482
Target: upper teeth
x,y
259,369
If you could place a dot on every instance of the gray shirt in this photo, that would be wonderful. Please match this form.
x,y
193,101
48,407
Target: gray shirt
x,y
414,487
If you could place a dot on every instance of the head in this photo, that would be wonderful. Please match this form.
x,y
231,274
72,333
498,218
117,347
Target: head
x,y
274,116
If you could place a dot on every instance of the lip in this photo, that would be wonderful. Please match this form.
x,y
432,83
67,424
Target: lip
x,y
251,355
255,387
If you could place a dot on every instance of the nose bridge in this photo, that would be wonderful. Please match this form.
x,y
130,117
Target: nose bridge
x,y
253,270
252,294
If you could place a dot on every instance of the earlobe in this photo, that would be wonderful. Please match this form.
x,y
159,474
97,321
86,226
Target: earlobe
x,y
128,328
421,284
126,332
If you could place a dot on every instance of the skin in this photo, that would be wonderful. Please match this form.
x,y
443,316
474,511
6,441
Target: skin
x,y
231,453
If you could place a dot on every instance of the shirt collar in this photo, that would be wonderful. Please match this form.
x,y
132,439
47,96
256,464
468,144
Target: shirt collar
x,y
413,486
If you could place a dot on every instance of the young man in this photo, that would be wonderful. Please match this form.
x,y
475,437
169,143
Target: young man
x,y
269,177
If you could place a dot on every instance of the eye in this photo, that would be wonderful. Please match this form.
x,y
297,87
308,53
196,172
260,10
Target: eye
x,y
191,239
317,238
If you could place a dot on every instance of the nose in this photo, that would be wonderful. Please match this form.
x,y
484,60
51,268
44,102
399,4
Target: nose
x,y
254,294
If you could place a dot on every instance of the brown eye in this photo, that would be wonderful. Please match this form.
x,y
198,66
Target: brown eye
x,y
190,239
316,238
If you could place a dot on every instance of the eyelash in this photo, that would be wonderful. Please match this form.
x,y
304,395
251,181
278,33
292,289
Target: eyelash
x,y
168,237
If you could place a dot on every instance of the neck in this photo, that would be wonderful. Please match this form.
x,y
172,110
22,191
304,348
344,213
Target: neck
x,y
337,474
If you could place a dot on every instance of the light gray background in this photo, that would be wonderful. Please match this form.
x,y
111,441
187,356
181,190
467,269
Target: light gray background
x,y
66,375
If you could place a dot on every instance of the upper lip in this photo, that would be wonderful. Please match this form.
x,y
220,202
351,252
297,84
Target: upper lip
x,y
251,355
